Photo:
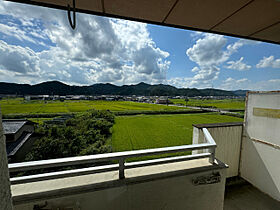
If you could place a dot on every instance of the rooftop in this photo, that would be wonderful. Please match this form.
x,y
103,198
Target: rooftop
x,y
14,146
12,126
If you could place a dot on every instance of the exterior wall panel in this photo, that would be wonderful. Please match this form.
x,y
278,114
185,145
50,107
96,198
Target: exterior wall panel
x,y
5,192
228,140
177,192
260,156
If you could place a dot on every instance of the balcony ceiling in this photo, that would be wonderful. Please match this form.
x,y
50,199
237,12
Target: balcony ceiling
x,y
251,19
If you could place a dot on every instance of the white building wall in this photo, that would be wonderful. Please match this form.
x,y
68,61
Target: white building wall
x,y
5,191
228,140
260,153
175,192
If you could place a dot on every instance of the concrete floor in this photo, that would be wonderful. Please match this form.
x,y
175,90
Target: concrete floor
x,y
246,197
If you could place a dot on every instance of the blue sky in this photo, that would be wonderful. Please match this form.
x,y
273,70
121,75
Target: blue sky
x,y
37,44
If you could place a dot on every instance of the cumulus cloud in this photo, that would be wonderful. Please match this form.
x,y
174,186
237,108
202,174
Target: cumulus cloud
x,y
246,84
235,84
209,52
267,62
238,65
18,59
180,82
98,50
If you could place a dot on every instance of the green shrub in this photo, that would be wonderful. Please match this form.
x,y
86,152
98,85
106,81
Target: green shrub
x,y
81,135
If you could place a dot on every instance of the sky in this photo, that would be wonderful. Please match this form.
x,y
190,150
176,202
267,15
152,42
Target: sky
x,y
37,44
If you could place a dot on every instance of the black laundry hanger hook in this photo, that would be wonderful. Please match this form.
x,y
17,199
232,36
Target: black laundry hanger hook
x,y
72,24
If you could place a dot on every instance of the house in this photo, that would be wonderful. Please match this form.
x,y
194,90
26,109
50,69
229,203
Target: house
x,y
163,101
19,138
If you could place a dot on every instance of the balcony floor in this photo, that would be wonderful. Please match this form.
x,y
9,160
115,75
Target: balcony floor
x,y
246,197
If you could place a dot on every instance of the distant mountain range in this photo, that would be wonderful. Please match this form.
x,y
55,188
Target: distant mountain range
x,y
59,88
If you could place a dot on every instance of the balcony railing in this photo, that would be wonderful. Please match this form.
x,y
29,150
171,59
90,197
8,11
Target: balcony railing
x,y
121,157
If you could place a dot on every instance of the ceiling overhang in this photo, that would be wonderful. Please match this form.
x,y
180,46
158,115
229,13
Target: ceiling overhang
x,y
250,19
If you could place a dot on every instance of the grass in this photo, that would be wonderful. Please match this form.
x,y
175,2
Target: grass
x,y
145,131
20,106
227,104
40,121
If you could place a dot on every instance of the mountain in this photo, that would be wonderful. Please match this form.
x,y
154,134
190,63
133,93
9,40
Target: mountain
x,y
59,88
240,92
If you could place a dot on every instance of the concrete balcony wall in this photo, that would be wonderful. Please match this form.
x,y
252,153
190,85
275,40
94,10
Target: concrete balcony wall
x,y
228,139
260,153
5,191
166,186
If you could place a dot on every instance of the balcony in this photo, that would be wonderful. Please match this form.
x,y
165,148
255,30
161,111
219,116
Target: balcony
x,y
190,181
156,178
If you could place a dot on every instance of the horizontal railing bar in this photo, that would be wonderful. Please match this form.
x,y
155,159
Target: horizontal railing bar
x,y
63,174
100,169
32,165
208,136
166,160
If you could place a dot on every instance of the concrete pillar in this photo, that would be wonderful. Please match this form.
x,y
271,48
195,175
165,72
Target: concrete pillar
x,y
5,190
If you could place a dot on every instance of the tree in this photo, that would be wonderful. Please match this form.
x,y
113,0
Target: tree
x,y
84,134
186,100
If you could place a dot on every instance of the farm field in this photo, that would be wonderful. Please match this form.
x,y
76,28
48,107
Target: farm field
x,y
20,106
146,131
226,104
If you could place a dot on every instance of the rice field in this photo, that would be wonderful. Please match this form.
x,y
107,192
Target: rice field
x,y
146,131
20,106
226,104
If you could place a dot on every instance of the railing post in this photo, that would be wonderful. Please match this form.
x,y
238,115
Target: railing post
x,y
212,157
121,168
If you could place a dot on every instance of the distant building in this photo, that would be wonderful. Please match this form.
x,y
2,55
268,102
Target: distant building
x,y
163,101
19,138
37,97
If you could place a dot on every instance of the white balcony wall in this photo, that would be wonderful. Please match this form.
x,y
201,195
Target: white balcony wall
x,y
166,186
228,139
260,156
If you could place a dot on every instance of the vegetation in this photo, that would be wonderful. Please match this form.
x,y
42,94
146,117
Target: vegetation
x,y
84,134
229,104
59,88
89,130
39,121
20,106
145,131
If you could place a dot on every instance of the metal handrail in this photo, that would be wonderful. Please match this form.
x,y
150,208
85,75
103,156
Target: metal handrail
x,y
120,156
209,138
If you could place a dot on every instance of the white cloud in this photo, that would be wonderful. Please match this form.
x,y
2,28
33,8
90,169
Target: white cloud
x,y
209,52
275,80
235,84
98,50
18,59
246,84
238,65
180,82
195,69
15,32
269,62
232,48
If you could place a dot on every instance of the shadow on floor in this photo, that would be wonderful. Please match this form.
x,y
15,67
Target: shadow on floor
x,y
244,196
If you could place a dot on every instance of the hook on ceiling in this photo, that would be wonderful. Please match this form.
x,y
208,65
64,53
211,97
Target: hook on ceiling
x,y
72,24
